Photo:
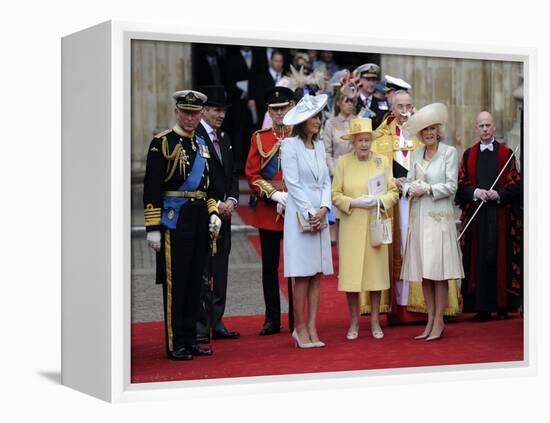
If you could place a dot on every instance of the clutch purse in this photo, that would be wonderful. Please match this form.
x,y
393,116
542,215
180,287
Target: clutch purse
x,y
380,228
303,224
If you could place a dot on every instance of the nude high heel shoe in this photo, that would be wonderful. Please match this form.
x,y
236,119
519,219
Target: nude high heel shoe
x,y
300,344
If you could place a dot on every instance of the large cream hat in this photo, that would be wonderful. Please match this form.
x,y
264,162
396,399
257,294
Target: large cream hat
x,y
432,114
358,126
307,107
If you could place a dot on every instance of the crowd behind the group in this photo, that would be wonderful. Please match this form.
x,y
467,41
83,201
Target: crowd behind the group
x,y
339,161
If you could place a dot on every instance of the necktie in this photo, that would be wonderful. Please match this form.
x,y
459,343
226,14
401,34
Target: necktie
x,y
483,147
216,143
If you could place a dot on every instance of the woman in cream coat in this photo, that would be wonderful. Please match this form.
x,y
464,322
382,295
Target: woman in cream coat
x,y
362,267
432,253
307,254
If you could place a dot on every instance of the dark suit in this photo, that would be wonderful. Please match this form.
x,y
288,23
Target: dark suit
x,y
239,118
379,108
258,87
225,184
208,69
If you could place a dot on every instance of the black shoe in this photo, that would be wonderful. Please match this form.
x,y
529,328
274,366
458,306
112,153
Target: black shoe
x,y
202,338
502,315
270,328
225,334
482,316
196,350
181,354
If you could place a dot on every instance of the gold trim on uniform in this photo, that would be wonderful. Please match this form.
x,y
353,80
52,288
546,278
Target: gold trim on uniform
x,y
211,204
163,133
198,195
168,258
266,189
152,215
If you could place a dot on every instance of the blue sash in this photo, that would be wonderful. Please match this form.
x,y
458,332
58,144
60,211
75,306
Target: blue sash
x,y
269,171
172,205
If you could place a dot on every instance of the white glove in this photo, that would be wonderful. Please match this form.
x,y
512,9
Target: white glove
x,y
481,194
364,202
215,225
424,187
280,209
418,189
280,197
153,240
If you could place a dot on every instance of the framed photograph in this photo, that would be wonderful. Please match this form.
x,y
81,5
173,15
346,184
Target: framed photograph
x,y
114,329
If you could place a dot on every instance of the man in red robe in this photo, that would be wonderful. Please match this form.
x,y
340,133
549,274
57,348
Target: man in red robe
x,y
491,245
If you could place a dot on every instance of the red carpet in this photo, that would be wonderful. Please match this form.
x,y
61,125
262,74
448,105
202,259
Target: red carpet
x,y
465,342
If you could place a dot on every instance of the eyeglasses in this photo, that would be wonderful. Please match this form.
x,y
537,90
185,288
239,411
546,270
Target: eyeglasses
x,y
348,100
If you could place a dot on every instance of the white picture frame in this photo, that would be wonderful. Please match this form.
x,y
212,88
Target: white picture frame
x,y
96,190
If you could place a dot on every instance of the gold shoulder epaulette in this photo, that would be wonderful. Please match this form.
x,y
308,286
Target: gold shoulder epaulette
x,y
262,130
163,133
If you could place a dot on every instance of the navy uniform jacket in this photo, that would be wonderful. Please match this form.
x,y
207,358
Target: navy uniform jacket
x,y
167,170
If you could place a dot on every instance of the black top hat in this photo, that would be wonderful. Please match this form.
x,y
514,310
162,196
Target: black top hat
x,y
278,96
216,94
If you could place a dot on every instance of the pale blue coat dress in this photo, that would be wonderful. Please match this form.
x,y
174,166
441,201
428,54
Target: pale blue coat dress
x,y
307,179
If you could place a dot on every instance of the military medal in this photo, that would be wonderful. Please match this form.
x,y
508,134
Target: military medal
x,y
203,151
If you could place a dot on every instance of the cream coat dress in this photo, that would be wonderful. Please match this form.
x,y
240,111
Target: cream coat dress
x,y
362,267
432,250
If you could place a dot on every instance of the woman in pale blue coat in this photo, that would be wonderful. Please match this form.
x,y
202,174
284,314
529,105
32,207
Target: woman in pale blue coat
x,y
307,252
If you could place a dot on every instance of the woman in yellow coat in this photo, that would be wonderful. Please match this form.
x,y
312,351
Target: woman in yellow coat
x,y
362,267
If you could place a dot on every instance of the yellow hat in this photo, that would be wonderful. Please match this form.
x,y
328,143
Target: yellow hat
x,y
358,126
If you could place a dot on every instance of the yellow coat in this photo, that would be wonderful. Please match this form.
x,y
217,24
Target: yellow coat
x,y
362,267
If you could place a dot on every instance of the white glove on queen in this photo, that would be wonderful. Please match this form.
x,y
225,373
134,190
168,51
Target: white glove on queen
x,y
215,225
364,202
280,197
153,240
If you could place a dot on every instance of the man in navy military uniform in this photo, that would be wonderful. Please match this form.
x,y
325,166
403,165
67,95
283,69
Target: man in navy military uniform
x,y
180,218
368,105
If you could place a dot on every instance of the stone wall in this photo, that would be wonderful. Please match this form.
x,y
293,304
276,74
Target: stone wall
x,y
159,68
465,86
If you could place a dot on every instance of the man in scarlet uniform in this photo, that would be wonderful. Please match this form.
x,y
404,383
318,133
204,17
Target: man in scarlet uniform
x,y
263,170
491,245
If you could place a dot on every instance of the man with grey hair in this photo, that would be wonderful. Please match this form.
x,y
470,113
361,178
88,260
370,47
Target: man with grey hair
x,y
391,141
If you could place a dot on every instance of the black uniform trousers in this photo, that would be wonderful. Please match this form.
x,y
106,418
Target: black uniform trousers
x,y
184,252
270,242
213,303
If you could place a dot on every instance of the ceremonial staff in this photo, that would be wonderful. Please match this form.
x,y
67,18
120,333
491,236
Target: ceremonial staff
x,y
492,186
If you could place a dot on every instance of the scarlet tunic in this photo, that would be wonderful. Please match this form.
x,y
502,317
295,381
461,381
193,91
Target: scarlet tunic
x,y
264,174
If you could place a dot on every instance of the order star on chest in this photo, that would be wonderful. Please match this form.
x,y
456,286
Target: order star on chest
x,y
184,159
